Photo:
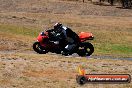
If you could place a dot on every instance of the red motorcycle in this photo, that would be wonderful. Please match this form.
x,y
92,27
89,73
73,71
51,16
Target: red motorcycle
x,y
44,44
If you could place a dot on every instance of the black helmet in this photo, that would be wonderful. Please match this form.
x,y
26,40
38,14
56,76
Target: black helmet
x,y
57,25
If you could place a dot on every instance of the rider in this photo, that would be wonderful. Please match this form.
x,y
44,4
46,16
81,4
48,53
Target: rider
x,y
65,35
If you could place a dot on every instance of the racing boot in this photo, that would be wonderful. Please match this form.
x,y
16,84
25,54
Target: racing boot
x,y
68,49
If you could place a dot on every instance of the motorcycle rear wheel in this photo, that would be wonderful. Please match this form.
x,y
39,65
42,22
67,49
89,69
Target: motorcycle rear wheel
x,y
85,49
38,48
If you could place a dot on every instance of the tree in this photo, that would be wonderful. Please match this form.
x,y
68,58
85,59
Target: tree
x,y
126,3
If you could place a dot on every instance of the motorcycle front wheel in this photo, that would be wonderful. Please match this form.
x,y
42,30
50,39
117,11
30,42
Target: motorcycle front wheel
x,y
38,48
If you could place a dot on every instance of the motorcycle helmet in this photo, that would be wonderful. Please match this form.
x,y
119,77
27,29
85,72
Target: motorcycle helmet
x,y
57,26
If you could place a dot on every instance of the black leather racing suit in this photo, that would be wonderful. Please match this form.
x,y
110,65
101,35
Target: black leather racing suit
x,y
63,35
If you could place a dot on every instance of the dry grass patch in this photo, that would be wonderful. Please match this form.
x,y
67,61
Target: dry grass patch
x,y
56,71
14,42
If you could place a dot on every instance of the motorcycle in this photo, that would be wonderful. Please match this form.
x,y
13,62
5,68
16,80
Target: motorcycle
x,y
44,44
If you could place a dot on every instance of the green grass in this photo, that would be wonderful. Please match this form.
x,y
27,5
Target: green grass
x,y
103,45
19,30
122,50
113,41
